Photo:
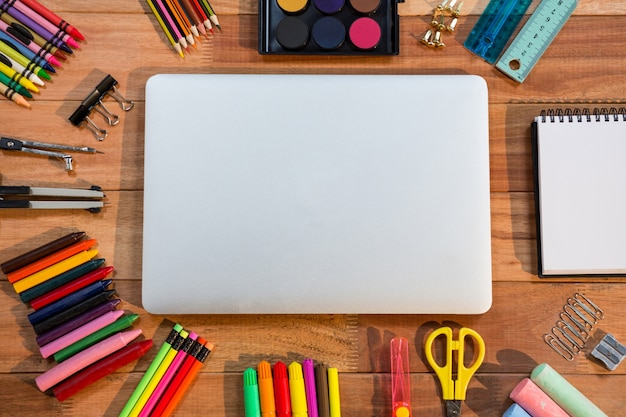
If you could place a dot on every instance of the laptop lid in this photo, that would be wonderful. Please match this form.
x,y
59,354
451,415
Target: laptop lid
x,y
316,194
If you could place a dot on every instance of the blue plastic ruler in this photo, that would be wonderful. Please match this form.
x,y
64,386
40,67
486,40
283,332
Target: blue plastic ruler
x,y
535,37
495,26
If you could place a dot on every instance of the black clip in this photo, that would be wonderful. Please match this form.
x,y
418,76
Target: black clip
x,y
95,102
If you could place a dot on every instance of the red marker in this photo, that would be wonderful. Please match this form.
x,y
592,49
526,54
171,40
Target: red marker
x,y
70,287
100,369
281,390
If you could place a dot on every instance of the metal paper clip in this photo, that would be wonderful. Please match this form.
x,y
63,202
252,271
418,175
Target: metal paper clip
x,y
94,101
570,333
609,351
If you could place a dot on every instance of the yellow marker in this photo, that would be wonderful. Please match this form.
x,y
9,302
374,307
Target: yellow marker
x,y
54,270
296,390
333,392
156,378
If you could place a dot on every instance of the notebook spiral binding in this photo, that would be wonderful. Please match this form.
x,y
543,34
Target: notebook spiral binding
x,y
571,114
577,320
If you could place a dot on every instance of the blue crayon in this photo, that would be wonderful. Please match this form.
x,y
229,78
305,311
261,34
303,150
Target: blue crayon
x,y
68,301
30,55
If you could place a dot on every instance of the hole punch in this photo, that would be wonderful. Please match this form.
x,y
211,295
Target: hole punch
x,y
94,101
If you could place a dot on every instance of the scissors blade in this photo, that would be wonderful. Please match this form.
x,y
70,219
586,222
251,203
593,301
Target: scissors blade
x,y
453,408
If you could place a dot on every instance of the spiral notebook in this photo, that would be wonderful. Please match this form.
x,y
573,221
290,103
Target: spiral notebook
x,y
302,193
580,191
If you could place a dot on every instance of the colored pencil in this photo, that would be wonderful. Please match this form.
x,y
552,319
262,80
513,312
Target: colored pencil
x,y
149,374
158,374
169,34
172,388
193,371
172,369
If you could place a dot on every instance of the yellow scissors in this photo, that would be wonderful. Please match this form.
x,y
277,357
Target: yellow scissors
x,y
454,390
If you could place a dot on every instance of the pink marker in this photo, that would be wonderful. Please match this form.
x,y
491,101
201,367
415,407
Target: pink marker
x,y
85,358
80,333
169,374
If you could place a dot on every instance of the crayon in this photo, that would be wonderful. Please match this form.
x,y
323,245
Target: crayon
x,y
85,358
100,369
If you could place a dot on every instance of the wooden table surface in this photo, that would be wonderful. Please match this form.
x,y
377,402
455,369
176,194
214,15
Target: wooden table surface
x,y
584,67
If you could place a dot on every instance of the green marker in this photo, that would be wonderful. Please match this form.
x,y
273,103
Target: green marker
x,y
150,371
82,344
251,397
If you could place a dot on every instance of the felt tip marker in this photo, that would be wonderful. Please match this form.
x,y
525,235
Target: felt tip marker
x,y
266,390
333,392
281,390
297,391
251,399
321,387
308,368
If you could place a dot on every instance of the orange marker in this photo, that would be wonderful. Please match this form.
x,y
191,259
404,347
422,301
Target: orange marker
x,y
266,390
50,260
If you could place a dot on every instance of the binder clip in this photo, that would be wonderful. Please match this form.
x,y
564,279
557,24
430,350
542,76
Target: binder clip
x,y
26,197
609,351
94,101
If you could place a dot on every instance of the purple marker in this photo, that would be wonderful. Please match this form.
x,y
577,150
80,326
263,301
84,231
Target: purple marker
x,y
308,369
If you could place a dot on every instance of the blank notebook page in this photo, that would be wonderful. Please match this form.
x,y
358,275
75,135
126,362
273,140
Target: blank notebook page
x,y
582,195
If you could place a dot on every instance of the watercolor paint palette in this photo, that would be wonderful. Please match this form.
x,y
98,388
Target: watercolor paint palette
x,y
329,27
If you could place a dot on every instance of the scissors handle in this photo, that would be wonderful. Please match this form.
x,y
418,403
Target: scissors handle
x,y
451,389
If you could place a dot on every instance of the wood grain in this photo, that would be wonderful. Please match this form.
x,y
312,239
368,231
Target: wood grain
x,y
583,67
